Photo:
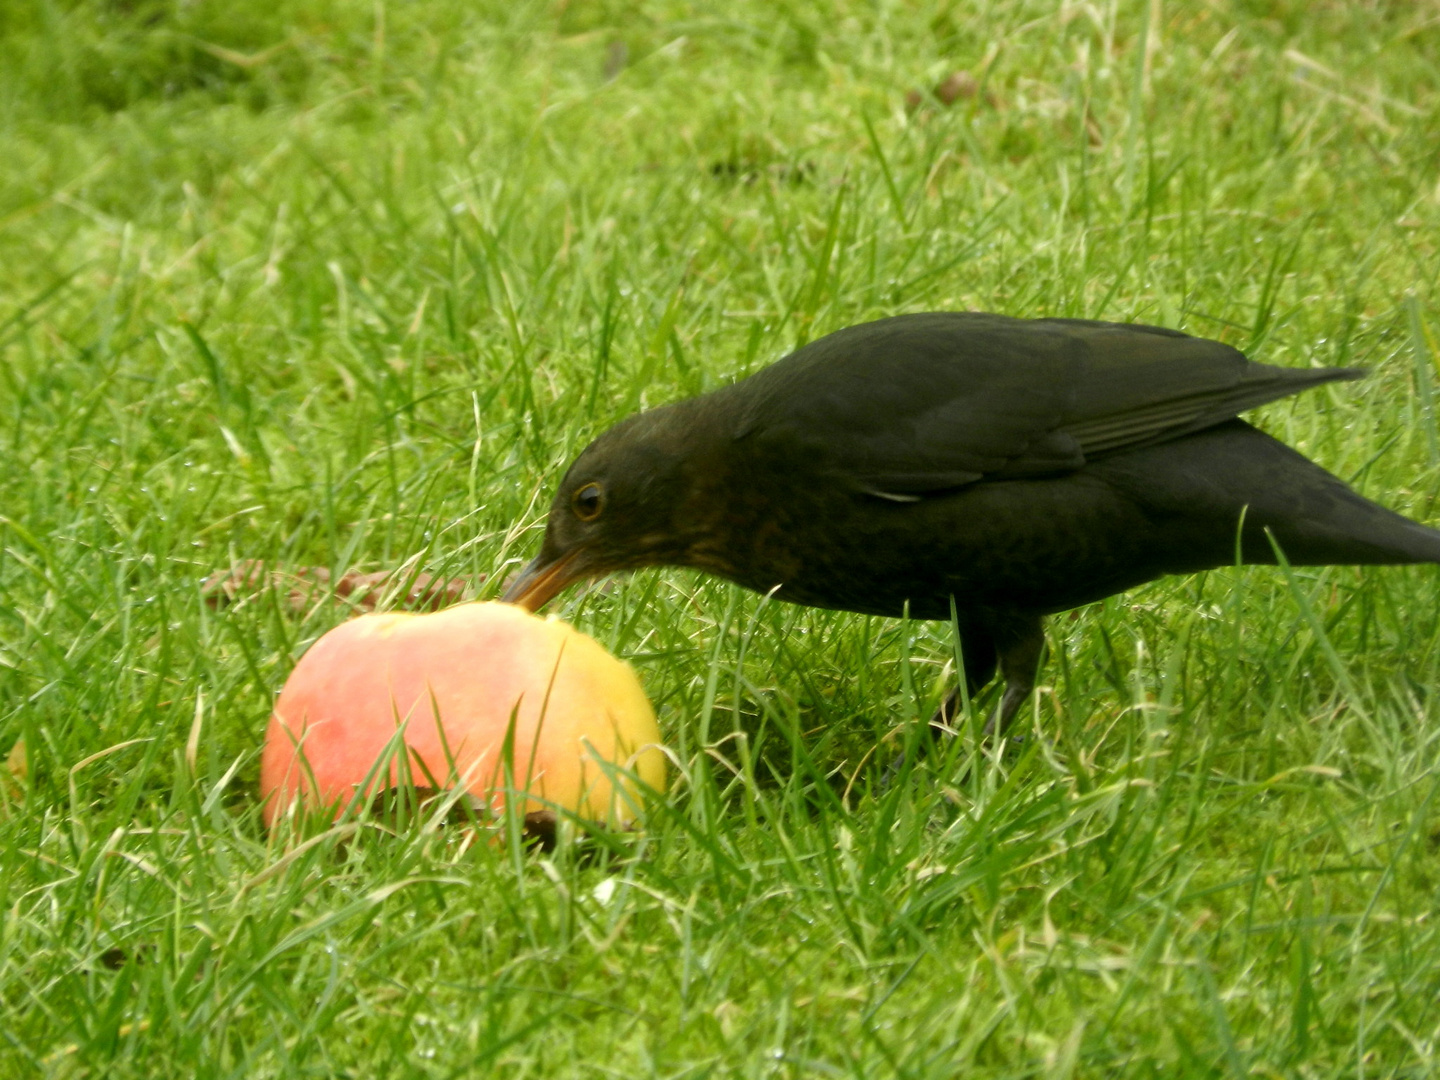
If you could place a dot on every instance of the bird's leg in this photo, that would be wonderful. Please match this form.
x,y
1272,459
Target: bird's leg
x,y
1020,641
1015,643
977,654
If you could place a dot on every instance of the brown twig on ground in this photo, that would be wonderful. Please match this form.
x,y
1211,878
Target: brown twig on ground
x,y
306,585
957,86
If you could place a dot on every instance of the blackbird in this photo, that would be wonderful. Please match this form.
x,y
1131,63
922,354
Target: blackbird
x,y
1001,469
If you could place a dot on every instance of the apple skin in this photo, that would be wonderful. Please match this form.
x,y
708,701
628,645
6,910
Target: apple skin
x,y
574,705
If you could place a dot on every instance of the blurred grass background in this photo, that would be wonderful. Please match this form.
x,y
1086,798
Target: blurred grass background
x,y
346,285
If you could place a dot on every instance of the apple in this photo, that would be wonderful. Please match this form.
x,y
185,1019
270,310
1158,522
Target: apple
x,y
453,683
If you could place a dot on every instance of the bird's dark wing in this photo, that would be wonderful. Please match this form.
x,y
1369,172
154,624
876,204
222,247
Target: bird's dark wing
x,y
924,403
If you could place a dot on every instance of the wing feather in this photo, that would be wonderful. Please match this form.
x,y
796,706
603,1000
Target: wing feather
x,y
918,404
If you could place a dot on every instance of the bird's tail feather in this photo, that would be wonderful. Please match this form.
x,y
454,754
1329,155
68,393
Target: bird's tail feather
x,y
1234,476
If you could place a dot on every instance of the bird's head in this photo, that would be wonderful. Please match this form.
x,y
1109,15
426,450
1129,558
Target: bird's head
x,y
622,505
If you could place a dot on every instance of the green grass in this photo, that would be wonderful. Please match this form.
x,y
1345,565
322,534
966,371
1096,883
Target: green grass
x,y
346,284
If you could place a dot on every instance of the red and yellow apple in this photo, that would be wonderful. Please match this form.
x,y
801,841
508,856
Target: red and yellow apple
x,y
453,685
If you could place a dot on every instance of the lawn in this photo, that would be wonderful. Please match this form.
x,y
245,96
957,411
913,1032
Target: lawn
x,y
336,284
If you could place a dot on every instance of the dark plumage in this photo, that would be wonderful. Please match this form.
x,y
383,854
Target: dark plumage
x,y
1020,467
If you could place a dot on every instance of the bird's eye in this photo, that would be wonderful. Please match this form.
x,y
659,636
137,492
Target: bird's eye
x,y
588,502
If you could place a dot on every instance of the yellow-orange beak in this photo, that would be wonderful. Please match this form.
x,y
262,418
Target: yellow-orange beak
x,y
540,582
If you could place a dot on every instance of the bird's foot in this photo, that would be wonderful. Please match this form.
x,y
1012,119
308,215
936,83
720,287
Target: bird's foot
x,y
937,733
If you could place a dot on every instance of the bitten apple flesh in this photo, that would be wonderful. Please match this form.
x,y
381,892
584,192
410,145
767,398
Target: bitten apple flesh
x,y
454,680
